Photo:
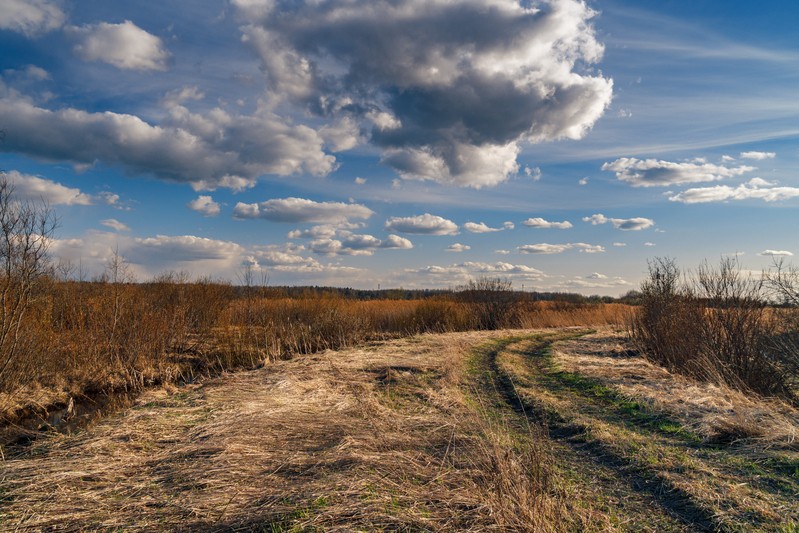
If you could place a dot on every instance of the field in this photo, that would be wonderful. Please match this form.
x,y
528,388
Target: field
x,y
560,429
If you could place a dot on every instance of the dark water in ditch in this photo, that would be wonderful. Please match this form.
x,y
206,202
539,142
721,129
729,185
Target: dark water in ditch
x,y
77,413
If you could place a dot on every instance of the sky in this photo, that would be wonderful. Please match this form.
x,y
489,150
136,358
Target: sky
x,y
406,143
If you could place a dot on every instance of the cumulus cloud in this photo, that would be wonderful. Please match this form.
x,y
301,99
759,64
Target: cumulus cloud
x,y
301,210
546,248
34,188
115,224
395,242
208,151
758,156
31,17
755,189
624,224
426,224
449,89
460,272
539,222
481,227
354,244
583,181
777,253
654,172
124,46
181,248
458,247
205,205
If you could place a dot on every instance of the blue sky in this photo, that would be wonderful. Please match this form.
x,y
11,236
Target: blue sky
x,y
406,143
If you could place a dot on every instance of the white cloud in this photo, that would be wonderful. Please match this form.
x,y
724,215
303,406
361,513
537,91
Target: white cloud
x,y
539,222
205,205
124,46
649,244
395,242
583,181
758,156
756,188
546,248
115,224
301,210
181,248
448,89
533,173
358,245
458,247
502,252
360,181
454,163
461,272
596,275
624,224
31,17
619,244
426,224
654,172
777,253
482,227
36,189
207,151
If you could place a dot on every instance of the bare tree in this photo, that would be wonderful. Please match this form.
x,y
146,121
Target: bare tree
x,y
26,231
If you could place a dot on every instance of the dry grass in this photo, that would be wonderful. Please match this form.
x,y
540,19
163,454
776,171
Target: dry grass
x,y
716,412
374,438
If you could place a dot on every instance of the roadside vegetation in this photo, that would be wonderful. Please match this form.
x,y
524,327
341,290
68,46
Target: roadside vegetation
x,y
723,325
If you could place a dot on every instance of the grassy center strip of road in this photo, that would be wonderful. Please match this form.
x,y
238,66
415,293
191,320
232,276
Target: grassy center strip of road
x,y
598,492
707,486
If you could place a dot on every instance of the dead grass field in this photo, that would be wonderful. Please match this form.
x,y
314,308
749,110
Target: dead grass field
x,y
515,430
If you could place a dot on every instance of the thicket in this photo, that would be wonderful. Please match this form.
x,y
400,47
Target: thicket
x,y
722,325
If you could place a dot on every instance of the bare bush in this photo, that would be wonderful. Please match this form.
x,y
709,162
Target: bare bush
x,y
715,326
491,299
